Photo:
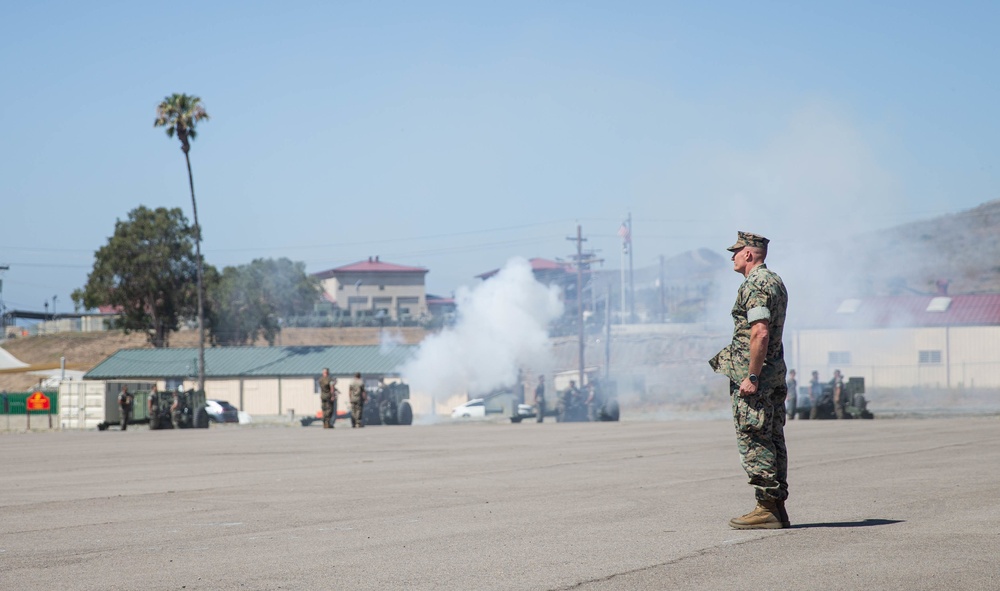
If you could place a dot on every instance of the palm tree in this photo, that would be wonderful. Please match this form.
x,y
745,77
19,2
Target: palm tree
x,y
180,113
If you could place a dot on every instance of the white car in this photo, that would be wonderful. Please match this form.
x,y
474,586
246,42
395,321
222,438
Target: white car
x,y
220,411
473,409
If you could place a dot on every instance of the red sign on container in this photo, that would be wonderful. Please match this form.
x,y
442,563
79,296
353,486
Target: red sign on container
x,y
38,401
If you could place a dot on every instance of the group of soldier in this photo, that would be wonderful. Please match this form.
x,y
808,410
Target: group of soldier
x,y
156,406
328,394
821,394
574,403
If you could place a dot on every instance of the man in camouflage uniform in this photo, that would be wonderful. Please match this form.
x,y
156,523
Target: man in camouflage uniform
x,y
839,395
125,400
177,408
328,398
540,399
755,365
358,398
791,406
815,393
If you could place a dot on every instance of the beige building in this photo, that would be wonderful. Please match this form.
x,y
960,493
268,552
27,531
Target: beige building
x,y
367,288
905,342
258,380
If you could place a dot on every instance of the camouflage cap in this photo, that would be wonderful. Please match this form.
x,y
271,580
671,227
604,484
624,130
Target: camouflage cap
x,y
745,239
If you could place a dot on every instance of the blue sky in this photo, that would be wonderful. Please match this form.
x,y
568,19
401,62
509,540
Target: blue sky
x,y
455,135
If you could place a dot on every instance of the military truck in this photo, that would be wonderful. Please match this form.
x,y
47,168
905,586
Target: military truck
x,y
855,404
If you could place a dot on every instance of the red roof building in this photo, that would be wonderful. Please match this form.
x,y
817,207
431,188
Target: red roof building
x,y
917,311
376,288
911,341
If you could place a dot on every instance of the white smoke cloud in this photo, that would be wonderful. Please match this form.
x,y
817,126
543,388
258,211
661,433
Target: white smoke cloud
x,y
389,340
501,328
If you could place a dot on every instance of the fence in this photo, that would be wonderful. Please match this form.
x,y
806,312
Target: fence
x,y
944,376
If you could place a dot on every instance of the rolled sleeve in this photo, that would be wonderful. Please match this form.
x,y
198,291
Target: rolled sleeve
x,y
759,313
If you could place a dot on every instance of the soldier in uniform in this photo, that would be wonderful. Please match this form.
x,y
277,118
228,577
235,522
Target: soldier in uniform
x,y
591,401
176,408
358,398
839,394
793,394
328,398
125,400
815,393
153,404
567,402
755,364
540,400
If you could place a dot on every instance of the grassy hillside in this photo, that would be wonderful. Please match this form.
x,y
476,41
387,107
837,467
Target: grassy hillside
x,y
962,249
85,350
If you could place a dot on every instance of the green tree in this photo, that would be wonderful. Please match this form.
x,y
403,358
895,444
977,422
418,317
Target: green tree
x,y
180,114
248,301
146,271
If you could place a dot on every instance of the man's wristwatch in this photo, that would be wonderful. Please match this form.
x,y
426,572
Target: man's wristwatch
x,y
753,378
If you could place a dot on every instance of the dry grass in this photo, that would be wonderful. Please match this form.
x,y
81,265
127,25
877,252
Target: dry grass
x,y
85,350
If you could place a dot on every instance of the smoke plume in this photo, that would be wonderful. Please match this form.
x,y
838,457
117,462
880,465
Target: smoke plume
x,y
501,328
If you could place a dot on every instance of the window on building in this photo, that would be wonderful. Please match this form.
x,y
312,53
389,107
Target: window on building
x,y
839,357
930,357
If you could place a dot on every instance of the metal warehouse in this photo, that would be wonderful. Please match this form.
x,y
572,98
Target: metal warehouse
x,y
259,380
907,341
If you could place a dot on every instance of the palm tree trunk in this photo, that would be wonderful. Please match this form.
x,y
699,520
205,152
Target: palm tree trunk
x,y
201,302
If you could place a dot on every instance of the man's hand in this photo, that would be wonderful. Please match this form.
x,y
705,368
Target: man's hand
x,y
747,388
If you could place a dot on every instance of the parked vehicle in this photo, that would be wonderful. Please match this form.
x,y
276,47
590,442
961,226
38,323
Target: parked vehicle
x,y
473,409
220,411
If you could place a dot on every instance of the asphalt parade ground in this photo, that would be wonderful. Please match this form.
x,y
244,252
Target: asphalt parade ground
x,y
889,504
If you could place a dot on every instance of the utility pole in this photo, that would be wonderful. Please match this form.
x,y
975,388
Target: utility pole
x,y
583,262
631,276
3,308
579,296
663,290
607,335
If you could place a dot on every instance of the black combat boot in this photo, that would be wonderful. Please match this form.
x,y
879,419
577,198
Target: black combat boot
x,y
783,515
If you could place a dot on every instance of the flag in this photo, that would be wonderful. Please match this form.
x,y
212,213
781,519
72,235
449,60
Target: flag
x,y
626,233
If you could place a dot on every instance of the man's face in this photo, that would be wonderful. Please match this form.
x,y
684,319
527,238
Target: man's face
x,y
740,260
326,372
